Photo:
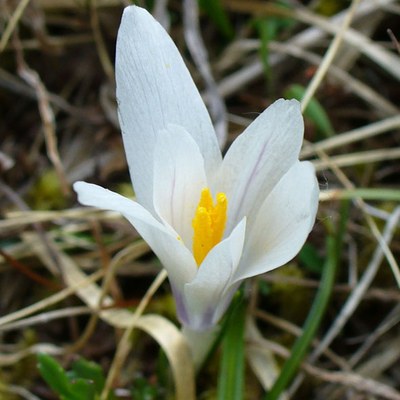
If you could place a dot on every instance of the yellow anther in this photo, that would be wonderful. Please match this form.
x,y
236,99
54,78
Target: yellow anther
x,y
208,223
206,199
219,217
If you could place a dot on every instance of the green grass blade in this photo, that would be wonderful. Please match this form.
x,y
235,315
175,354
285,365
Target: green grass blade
x,y
267,29
54,375
314,111
231,374
378,194
90,371
334,245
217,13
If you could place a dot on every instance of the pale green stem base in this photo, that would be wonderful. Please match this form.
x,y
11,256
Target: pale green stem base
x,y
200,343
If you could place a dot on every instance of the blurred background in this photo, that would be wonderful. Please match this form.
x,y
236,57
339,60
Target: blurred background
x,y
58,124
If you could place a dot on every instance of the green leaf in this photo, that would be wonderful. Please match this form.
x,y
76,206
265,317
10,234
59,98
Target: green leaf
x,y
81,383
54,375
231,374
163,371
143,390
311,259
382,194
267,30
334,245
217,13
90,371
314,110
81,389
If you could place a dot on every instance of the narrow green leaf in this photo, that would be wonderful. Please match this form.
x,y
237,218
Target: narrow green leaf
x,y
382,194
311,259
231,374
216,12
54,375
314,111
81,389
334,246
143,390
267,29
90,371
69,385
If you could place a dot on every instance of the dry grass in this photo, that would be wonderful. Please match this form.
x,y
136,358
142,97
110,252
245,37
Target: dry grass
x,y
69,276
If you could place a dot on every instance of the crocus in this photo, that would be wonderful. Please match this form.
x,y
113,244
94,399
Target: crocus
x,y
211,221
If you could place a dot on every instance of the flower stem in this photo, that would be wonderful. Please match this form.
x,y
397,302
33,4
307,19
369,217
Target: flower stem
x,y
200,343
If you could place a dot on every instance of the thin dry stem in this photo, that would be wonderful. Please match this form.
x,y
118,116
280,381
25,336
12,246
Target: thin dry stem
x,y
349,379
199,53
49,301
98,37
12,23
352,136
356,295
362,157
329,56
124,345
46,114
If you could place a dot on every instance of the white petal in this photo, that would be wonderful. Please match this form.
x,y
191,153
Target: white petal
x,y
178,179
154,89
259,157
283,222
174,256
207,297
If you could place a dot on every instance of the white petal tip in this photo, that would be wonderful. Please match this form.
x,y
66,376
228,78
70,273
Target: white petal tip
x,y
78,185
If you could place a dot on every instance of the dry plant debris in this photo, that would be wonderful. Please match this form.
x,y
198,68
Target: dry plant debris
x,y
78,282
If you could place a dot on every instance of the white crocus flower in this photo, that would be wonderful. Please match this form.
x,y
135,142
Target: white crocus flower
x,y
212,222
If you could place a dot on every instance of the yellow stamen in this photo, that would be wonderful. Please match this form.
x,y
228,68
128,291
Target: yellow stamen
x,y
208,223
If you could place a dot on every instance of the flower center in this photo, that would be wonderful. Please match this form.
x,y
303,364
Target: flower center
x,y
208,223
